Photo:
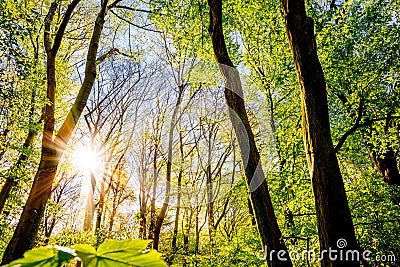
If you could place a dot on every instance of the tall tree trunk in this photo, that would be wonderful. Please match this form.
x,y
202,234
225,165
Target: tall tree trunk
x,y
178,201
53,148
210,197
100,209
114,207
154,192
333,214
267,224
143,208
186,229
163,211
104,192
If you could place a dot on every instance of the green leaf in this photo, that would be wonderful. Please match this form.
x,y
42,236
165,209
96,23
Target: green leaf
x,y
45,257
87,254
119,253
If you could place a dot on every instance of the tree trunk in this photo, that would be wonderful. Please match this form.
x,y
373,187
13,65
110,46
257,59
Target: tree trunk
x,y
153,198
143,208
186,230
333,214
53,148
163,211
387,166
89,210
176,223
100,209
210,197
267,224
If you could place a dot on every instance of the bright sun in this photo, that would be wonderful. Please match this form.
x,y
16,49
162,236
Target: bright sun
x,y
86,159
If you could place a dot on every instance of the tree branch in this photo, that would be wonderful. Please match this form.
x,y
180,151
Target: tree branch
x,y
47,26
113,51
356,127
134,9
133,24
63,26
70,122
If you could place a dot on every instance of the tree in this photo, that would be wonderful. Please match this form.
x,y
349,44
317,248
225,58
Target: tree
x,y
333,213
267,224
53,147
21,76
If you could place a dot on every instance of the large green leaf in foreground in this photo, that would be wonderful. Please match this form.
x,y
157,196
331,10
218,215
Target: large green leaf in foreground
x,y
111,253
119,253
45,257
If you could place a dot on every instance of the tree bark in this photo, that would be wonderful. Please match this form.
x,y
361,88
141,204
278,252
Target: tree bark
x,y
90,207
333,214
387,166
154,193
178,201
267,224
53,148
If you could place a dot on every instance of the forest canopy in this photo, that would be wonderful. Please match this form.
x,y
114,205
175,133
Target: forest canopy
x,y
199,133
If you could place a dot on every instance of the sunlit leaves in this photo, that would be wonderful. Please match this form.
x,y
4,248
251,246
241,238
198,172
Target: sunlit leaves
x,y
45,257
110,253
119,253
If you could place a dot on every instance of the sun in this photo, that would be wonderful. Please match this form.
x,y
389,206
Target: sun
x,y
86,159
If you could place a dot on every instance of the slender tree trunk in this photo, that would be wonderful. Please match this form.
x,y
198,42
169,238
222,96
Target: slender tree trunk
x,y
333,214
100,209
89,210
210,198
143,208
163,211
186,230
267,224
114,209
197,228
53,148
49,230
111,222
90,206
153,197
104,194
178,201
176,223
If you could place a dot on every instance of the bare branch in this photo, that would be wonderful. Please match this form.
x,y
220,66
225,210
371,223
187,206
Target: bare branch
x,y
113,51
113,4
356,127
133,24
134,9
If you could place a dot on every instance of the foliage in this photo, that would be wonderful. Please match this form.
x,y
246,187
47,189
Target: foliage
x,y
109,253
163,45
